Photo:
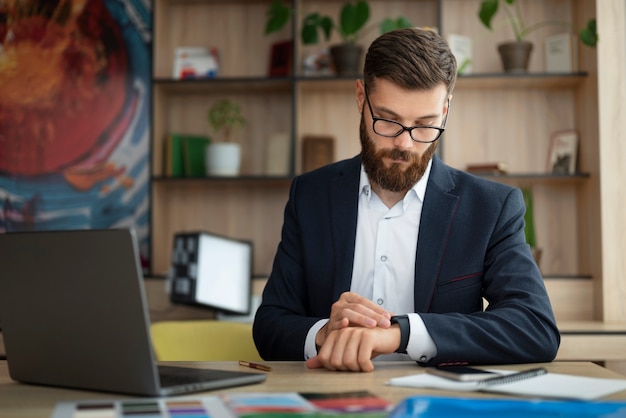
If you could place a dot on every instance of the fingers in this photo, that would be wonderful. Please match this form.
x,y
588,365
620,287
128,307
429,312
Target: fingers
x,y
359,311
353,348
314,363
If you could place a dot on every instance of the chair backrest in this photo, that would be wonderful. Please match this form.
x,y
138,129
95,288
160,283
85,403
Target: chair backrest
x,y
203,340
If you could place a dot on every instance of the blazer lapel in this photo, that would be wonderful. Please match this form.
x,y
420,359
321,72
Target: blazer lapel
x,y
439,209
344,207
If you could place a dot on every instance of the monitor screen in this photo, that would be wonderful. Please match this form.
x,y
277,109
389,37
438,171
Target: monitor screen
x,y
213,271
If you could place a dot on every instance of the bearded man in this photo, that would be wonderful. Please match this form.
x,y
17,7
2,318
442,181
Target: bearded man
x,y
392,254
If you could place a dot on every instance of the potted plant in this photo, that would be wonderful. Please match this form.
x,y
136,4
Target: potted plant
x,y
350,27
516,54
223,156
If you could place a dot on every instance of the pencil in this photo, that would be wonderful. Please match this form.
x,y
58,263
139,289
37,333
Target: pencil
x,y
255,365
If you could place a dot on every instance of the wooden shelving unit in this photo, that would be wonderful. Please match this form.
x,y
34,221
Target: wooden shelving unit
x,y
494,117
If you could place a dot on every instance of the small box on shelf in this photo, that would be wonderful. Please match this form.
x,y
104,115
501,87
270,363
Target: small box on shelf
x,y
195,62
494,169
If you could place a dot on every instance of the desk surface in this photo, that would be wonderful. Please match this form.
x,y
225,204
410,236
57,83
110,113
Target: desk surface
x,y
31,401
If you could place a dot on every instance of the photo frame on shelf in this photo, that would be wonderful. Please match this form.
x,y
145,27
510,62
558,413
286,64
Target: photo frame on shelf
x,y
317,151
280,59
563,152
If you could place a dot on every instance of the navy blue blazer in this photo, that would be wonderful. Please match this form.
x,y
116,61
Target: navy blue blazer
x,y
471,245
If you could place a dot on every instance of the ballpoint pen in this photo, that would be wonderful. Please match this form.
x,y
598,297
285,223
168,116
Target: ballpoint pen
x,y
255,365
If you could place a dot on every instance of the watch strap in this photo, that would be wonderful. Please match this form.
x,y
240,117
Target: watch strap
x,y
405,331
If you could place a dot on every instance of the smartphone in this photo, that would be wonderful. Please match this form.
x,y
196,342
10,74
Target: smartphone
x,y
461,373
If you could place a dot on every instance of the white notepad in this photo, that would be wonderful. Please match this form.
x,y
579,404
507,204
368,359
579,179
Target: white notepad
x,y
549,385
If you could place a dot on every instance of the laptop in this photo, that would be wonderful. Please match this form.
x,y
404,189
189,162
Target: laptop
x,y
73,314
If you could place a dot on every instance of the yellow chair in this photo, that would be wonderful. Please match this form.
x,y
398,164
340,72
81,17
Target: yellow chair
x,y
203,340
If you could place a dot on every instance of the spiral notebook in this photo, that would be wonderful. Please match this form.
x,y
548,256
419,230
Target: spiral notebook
x,y
546,385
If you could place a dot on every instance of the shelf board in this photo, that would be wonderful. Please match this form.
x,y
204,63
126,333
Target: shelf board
x,y
537,177
521,81
241,180
225,85
567,277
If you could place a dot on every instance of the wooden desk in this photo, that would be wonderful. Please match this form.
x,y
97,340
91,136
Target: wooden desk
x,y
31,401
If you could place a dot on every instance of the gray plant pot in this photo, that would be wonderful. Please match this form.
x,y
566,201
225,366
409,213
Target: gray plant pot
x,y
346,58
515,56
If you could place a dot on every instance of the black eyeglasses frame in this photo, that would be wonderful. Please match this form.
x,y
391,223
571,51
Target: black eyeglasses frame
x,y
403,128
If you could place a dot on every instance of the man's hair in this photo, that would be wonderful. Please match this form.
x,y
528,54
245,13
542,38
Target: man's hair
x,y
411,58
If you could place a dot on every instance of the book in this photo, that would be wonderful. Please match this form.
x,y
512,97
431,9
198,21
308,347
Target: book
x,y
547,385
173,161
453,407
561,53
194,147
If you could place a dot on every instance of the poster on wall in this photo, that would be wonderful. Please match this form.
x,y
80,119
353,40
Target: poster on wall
x,y
74,115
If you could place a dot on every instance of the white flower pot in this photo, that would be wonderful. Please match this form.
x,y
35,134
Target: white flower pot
x,y
223,159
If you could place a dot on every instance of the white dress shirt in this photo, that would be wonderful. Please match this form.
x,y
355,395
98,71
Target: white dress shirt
x,y
384,263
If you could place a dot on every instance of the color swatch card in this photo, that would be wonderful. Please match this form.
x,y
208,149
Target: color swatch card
x,y
205,407
233,405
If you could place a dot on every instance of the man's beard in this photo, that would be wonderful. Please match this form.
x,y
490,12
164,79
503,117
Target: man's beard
x,y
392,178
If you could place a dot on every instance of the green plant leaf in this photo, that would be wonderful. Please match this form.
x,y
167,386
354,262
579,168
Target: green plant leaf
x,y
277,16
310,26
352,19
390,24
326,24
589,35
488,10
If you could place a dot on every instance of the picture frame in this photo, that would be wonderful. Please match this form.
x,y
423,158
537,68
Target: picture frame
x,y
317,151
280,59
563,152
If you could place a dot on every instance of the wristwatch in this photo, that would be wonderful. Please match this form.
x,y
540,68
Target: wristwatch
x,y
405,331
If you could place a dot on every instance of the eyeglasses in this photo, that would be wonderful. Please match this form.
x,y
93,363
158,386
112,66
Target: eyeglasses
x,y
418,133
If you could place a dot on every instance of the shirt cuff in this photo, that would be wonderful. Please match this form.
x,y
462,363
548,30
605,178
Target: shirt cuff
x,y
310,350
421,346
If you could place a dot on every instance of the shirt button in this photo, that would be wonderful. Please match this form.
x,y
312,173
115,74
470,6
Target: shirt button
x,y
380,301
383,258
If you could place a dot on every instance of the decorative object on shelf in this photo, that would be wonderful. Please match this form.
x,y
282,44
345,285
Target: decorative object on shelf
x,y
492,169
317,63
317,151
195,62
223,157
563,152
278,154
281,59
461,47
352,19
350,27
515,54
529,227
561,53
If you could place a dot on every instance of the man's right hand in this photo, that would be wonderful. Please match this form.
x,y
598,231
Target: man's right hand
x,y
352,309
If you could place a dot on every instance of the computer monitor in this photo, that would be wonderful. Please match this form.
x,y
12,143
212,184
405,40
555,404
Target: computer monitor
x,y
211,270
